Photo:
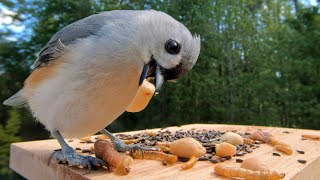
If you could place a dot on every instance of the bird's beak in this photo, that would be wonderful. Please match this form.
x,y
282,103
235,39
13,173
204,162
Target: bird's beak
x,y
144,73
158,79
152,69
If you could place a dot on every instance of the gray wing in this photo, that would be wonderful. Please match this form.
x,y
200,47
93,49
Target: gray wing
x,y
68,35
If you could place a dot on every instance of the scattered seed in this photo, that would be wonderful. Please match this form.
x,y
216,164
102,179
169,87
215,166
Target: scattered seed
x,y
287,132
78,149
214,161
300,152
239,160
302,161
215,158
183,159
70,140
203,159
276,154
223,159
85,150
208,139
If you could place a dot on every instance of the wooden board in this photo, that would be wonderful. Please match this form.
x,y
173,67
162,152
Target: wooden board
x,y
30,159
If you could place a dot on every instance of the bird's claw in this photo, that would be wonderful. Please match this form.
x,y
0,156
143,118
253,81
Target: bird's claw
x,y
134,148
131,149
73,159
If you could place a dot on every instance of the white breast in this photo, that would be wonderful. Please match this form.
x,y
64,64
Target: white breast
x,y
86,94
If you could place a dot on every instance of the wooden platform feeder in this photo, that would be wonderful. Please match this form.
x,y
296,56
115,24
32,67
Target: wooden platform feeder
x,y
30,159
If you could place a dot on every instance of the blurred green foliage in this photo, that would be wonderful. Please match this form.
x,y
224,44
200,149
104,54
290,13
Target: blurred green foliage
x,y
259,64
8,135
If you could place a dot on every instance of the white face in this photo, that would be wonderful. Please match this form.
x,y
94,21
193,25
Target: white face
x,y
170,44
168,57
169,49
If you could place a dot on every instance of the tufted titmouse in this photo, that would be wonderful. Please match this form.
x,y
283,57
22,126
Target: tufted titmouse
x,y
89,72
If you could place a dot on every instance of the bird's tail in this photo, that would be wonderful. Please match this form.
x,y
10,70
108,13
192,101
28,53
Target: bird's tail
x,y
17,100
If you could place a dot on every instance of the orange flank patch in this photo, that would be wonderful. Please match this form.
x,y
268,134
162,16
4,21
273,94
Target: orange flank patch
x,y
40,75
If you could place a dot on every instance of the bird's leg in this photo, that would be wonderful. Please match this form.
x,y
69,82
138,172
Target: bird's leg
x,y
68,154
122,147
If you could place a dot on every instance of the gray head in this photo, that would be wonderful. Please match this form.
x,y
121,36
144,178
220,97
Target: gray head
x,y
171,48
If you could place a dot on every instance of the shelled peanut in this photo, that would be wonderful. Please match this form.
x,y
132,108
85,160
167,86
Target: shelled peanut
x,y
142,98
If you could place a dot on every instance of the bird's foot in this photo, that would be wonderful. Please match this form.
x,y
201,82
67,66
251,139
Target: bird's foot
x,y
122,147
69,155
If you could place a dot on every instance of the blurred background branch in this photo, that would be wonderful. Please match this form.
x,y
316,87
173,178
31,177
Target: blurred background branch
x,y
259,63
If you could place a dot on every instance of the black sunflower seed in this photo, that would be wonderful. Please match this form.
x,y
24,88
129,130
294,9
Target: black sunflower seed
x,y
276,154
300,152
302,161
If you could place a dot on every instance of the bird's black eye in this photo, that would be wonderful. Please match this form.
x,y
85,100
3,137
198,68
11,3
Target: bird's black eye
x,y
172,47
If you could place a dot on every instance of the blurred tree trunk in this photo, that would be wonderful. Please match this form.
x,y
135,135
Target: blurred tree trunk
x,y
296,5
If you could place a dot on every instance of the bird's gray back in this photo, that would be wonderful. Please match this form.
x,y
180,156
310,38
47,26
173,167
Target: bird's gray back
x,y
89,25
83,28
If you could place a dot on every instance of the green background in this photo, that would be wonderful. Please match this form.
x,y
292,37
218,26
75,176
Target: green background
x,y
259,64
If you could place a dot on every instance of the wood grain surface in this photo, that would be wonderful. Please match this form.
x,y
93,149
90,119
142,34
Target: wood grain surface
x,y
30,159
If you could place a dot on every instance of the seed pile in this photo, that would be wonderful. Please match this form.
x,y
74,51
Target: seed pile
x,y
207,145
208,139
